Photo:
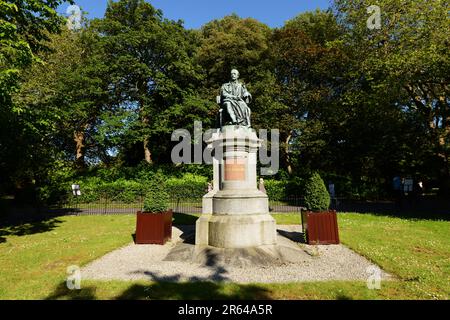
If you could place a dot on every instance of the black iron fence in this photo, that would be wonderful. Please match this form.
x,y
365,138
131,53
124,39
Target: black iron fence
x,y
108,204
116,203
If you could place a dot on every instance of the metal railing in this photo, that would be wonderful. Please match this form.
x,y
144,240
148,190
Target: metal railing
x,y
107,205
115,204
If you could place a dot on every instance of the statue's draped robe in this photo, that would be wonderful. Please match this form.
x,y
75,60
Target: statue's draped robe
x,y
238,107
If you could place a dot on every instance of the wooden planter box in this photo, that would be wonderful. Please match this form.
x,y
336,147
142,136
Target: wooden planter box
x,y
320,227
153,228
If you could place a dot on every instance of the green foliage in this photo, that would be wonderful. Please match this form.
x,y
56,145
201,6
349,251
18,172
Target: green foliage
x,y
276,190
403,65
317,197
188,186
26,156
54,190
233,42
94,189
362,105
115,187
24,27
156,198
149,60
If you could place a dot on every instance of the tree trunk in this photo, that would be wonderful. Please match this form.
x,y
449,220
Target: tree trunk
x,y
288,157
147,153
79,149
146,143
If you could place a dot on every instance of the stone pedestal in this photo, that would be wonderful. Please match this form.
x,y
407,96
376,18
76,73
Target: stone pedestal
x,y
207,201
235,213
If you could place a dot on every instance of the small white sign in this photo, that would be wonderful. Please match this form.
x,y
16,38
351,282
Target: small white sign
x,y
76,190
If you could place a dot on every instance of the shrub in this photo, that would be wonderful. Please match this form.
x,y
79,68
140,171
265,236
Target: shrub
x,y
94,189
317,197
53,188
188,186
90,189
295,187
127,191
276,190
156,198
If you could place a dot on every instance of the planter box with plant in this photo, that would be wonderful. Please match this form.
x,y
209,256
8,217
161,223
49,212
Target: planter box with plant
x,y
154,224
318,222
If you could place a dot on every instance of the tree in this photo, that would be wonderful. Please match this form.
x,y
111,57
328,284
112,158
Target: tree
x,y
68,92
407,58
150,65
234,42
25,28
309,74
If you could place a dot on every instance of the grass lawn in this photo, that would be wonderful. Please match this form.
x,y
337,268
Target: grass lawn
x,y
34,259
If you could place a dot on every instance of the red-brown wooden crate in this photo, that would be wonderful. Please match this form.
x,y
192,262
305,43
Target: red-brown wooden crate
x,y
321,227
153,228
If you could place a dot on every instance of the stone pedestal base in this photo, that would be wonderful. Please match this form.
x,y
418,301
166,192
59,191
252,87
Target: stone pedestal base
x,y
241,202
207,202
235,214
235,231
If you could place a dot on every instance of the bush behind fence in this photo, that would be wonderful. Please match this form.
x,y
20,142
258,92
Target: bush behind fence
x,y
130,191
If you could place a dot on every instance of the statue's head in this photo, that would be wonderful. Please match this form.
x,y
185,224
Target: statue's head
x,y
234,74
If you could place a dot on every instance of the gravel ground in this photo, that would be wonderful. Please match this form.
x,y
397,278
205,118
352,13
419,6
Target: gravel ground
x,y
300,263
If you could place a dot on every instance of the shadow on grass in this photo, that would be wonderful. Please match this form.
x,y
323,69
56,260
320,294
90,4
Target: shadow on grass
x,y
168,291
343,297
193,291
27,227
424,208
62,292
22,220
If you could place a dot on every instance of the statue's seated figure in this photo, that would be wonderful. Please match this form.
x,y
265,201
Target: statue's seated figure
x,y
233,100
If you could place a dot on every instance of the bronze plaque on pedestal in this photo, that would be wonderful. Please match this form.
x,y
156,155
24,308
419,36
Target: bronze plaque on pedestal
x,y
235,169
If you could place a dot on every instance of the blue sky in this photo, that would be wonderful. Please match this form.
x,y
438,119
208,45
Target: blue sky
x,y
196,13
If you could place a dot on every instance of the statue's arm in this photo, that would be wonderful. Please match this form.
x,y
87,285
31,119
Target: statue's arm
x,y
246,95
227,95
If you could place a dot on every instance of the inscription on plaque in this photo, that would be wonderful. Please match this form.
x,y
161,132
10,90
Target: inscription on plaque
x,y
235,170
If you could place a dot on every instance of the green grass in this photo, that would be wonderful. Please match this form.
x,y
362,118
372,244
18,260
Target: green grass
x,y
34,259
287,218
416,251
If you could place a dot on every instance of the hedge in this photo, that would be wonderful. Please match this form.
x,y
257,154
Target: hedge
x,y
129,191
278,190
189,186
